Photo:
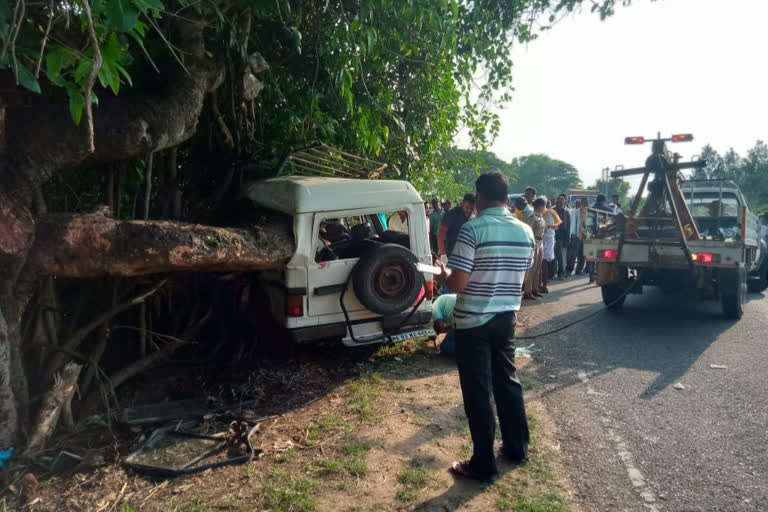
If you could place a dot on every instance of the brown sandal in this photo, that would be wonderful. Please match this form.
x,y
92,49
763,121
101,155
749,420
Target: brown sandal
x,y
464,468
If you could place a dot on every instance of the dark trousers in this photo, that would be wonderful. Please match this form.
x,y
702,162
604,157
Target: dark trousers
x,y
486,361
575,256
561,255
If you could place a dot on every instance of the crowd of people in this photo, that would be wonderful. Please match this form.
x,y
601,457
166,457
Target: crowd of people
x,y
559,230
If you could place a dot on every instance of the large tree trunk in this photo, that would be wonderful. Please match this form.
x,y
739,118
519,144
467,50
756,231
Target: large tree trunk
x,y
94,245
42,139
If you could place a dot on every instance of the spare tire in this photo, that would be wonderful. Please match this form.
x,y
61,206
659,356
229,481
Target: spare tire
x,y
386,281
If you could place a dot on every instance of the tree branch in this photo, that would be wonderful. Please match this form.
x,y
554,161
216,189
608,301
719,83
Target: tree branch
x,y
79,335
94,246
91,77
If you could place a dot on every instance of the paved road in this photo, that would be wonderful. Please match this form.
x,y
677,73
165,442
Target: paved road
x,y
631,440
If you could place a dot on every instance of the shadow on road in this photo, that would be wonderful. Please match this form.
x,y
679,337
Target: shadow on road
x,y
654,333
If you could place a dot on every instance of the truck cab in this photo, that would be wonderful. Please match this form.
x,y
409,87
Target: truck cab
x,y
351,276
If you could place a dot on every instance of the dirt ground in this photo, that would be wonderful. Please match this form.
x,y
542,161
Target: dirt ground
x,y
381,438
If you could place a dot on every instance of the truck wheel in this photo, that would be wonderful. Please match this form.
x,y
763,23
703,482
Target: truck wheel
x,y
613,296
733,290
759,283
386,281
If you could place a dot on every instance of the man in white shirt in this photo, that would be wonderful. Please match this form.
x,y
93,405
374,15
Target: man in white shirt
x,y
399,222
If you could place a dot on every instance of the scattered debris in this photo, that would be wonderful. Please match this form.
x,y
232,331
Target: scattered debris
x,y
65,462
718,367
399,360
526,351
5,455
177,452
163,412
679,386
28,489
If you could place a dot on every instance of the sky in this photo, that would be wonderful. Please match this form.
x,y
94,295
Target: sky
x,y
675,66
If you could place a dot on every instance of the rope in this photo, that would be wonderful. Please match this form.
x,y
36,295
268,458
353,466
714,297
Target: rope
x,y
583,319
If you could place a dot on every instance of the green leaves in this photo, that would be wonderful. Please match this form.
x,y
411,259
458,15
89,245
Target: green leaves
x,y
75,104
53,63
121,14
27,78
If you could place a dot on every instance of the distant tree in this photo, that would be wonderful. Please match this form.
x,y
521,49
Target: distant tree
x,y
750,173
550,177
611,187
459,168
715,168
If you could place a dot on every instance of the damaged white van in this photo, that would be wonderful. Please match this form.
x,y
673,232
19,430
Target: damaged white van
x,y
350,278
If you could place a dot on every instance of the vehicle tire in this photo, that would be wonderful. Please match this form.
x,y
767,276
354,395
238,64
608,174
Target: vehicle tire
x,y
386,280
733,290
613,296
759,283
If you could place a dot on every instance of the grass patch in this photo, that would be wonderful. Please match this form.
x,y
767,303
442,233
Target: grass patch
x,y
539,468
412,478
362,394
197,505
356,465
283,493
542,502
357,447
325,467
330,423
528,381
286,456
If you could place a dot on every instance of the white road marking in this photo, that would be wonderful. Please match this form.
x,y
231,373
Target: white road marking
x,y
627,459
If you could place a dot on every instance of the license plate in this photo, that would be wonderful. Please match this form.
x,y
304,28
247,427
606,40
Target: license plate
x,y
423,333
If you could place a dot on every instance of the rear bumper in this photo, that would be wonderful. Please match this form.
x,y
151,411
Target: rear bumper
x,y
370,328
663,255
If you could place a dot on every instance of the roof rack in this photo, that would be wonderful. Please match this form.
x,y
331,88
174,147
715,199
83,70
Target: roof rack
x,y
320,159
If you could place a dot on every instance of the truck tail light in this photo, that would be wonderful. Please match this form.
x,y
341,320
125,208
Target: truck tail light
x,y
294,305
430,286
610,254
702,257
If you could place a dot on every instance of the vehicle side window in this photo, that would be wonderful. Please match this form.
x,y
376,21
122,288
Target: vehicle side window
x,y
709,205
345,238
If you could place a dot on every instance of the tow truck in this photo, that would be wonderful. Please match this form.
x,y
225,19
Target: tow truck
x,y
688,234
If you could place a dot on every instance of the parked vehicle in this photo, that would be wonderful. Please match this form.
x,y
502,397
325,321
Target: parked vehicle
x,y
349,277
694,234
576,195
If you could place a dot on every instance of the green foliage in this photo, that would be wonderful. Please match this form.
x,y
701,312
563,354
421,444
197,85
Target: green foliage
x,y
550,177
463,166
386,78
283,493
750,173
613,186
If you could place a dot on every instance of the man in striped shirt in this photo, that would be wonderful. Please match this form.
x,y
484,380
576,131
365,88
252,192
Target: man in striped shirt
x,y
487,268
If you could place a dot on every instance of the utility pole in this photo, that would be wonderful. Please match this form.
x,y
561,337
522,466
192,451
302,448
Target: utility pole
x,y
606,176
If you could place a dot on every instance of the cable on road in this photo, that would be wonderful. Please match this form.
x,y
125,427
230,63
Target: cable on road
x,y
583,319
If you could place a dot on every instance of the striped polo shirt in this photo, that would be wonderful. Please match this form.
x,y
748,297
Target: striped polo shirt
x,y
495,249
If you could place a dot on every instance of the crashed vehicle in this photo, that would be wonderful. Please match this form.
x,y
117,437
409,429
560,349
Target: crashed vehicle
x,y
350,278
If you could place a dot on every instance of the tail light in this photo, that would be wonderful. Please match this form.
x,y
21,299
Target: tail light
x,y
610,254
702,257
294,305
430,286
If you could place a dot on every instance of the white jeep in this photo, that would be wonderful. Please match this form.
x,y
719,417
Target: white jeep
x,y
350,277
